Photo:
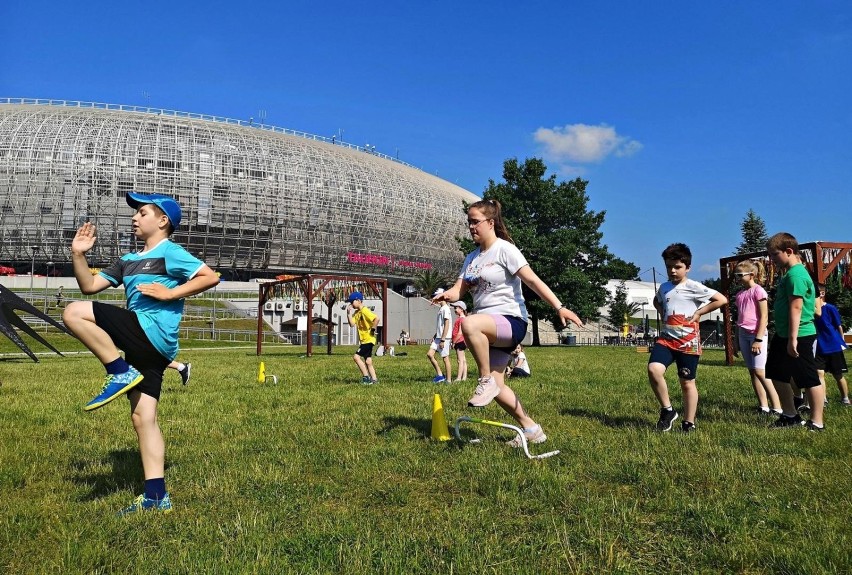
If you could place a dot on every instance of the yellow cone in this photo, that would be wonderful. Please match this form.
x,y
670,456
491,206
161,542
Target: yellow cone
x,y
440,431
261,373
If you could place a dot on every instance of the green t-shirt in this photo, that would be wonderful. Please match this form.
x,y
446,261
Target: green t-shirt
x,y
797,283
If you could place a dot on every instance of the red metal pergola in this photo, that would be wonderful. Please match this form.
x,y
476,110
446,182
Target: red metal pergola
x,y
326,288
821,259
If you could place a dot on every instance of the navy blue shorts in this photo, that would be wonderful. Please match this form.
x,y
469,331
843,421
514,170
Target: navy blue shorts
x,y
687,363
123,328
511,331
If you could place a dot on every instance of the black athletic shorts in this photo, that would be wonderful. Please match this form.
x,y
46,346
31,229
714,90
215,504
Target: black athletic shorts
x,y
833,363
365,350
123,328
801,370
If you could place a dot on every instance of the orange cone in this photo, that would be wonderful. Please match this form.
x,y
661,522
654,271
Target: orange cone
x,y
440,430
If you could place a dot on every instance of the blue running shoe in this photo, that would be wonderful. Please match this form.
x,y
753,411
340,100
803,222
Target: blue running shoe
x,y
439,379
114,386
142,503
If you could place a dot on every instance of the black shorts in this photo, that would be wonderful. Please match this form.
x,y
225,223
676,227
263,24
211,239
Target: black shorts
x,y
833,363
460,346
800,370
123,328
365,350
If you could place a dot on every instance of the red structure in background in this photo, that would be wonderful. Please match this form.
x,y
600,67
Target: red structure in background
x,y
327,288
821,259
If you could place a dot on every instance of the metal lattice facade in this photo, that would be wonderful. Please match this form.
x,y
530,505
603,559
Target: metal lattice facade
x,y
254,197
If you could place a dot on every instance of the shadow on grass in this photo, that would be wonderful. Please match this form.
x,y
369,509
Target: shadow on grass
x,y
618,422
421,425
124,473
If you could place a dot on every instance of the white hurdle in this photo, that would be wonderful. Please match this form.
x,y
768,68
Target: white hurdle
x,y
518,430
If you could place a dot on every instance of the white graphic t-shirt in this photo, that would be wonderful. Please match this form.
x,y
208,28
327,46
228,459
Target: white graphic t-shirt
x,y
679,303
490,278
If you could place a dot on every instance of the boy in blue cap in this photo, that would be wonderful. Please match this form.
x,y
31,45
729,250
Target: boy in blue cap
x,y
156,281
363,318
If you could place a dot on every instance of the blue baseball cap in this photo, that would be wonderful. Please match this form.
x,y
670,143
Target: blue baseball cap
x,y
166,203
355,295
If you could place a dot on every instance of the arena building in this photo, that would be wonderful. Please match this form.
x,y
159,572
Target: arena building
x,y
257,200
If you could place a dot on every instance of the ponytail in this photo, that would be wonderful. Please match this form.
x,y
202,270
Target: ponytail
x,y
492,210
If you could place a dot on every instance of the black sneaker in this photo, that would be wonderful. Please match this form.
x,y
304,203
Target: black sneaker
x,y
800,404
813,427
185,373
687,427
762,410
667,417
787,421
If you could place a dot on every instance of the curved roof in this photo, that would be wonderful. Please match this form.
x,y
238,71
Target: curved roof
x,y
254,197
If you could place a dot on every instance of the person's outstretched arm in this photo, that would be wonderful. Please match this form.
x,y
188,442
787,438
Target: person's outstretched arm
x,y
84,241
529,277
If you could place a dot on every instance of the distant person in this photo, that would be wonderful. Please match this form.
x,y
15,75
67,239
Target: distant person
x,y
831,345
59,296
493,273
519,367
752,334
442,341
403,338
156,282
363,318
458,340
791,351
681,302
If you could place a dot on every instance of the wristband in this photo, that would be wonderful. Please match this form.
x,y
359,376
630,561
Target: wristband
x,y
758,340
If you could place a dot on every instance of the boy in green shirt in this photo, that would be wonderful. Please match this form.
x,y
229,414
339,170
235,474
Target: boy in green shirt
x,y
791,355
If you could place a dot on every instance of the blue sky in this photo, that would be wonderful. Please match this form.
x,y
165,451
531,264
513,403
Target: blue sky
x,y
682,115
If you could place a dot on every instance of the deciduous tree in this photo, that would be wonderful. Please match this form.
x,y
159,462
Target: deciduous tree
x,y
560,236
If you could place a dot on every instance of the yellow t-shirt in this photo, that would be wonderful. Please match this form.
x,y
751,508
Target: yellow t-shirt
x,y
363,319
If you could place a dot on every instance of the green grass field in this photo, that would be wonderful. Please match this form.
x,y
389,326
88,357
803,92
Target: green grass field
x,y
320,474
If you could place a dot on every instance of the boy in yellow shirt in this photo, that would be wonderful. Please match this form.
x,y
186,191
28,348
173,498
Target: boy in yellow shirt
x,y
363,318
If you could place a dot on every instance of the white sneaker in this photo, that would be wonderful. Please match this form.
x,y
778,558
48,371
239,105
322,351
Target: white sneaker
x,y
486,390
534,434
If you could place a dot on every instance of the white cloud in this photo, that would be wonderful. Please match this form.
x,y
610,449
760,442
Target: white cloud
x,y
583,143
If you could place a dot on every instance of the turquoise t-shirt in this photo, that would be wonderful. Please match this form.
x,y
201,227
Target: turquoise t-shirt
x,y
796,282
168,264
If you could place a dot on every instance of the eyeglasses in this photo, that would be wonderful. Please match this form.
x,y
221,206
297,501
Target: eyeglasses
x,y
474,223
743,274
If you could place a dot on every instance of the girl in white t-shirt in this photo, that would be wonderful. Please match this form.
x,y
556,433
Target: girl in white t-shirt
x,y
519,367
493,273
